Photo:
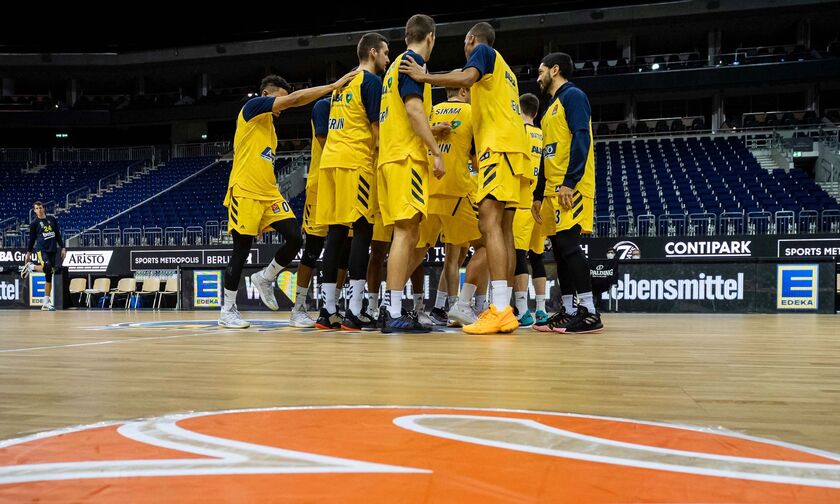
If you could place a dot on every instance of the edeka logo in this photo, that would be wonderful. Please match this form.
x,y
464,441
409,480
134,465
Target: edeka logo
x,y
93,261
703,288
37,289
207,291
708,249
797,289
10,291
371,454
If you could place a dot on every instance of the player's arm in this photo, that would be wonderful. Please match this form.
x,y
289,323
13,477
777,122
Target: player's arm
x,y
371,90
305,96
455,79
58,239
420,124
578,115
33,235
320,121
374,129
441,130
539,192
481,62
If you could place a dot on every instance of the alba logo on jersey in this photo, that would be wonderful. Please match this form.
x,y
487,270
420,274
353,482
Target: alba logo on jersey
x,y
550,150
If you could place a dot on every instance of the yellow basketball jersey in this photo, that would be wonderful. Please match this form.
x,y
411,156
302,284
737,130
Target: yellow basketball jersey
x,y
455,149
557,144
350,140
252,175
535,136
497,120
321,109
397,140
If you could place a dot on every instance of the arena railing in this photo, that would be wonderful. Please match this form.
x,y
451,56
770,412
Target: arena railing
x,y
139,153
206,149
14,154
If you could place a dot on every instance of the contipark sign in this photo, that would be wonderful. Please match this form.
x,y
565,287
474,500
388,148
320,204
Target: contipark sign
x,y
735,248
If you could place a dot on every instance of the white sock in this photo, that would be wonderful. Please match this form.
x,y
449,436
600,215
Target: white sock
x,y
452,301
540,302
586,300
481,302
569,304
395,304
440,299
300,297
467,293
357,295
373,301
509,294
418,303
230,300
501,295
521,302
46,300
272,270
329,296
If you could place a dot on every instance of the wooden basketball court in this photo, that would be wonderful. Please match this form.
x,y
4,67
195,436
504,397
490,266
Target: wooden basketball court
x,y
775,377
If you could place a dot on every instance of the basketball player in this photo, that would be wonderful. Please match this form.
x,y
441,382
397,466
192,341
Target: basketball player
x,y
405,142
347,182
504,162
253,200
45,236
315,233
564,197
529,239
451,211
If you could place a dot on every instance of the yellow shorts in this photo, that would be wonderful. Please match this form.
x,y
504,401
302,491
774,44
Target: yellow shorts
x,y
344,195
309,225
452,220
556,219
403,190
502,175
381,232
527,235
251,217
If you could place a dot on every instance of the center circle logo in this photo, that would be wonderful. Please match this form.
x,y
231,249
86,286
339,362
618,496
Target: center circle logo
x,y
408,454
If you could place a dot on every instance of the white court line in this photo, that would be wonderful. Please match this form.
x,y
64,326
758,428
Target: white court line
x,y
107,342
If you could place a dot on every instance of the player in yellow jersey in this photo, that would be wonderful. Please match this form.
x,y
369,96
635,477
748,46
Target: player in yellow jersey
x,y
314,233
404,145
347,182
253,200
452,213
564,199
529,239
504,168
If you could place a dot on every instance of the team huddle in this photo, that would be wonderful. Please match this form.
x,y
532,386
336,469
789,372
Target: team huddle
x,y
391,175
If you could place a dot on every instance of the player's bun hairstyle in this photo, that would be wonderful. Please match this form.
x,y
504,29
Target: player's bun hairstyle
x,y
418,27
484,33
562,60
367,42
274,81
530,104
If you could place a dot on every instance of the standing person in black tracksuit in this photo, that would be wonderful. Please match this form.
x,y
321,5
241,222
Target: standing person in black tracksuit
x,y
45,244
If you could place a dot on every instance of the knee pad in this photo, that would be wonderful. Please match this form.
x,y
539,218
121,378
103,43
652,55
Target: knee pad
x,y
312,251
537,265
521,263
